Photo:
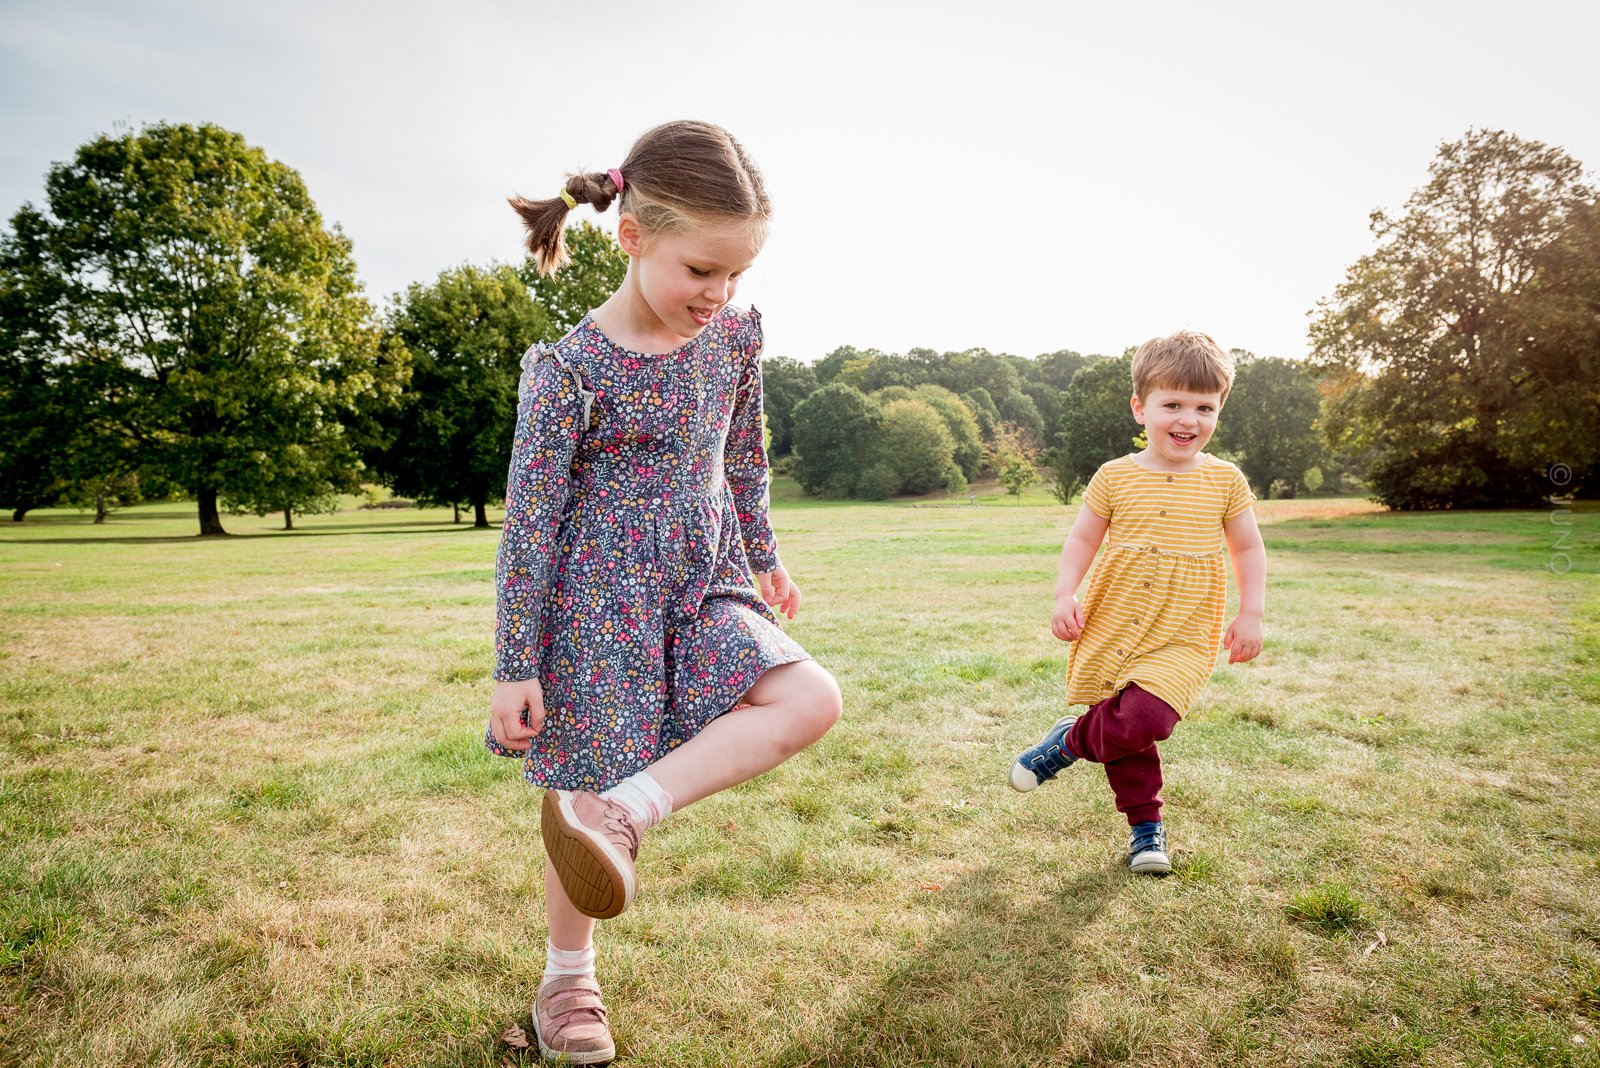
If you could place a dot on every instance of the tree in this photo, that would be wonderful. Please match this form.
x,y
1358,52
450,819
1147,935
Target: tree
x,y
464,335
785,383
916,445
189,287
598,266
1459,354
1017,473
961,423
1096,426
1268,423
834,434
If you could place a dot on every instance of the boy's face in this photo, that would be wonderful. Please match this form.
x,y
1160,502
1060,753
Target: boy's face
x,y
1178,422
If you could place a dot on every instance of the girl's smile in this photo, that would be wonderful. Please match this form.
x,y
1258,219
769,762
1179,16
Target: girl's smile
x,y
677,282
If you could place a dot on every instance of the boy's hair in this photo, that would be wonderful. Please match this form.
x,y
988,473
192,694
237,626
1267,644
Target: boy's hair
x,y
1187,360
677,175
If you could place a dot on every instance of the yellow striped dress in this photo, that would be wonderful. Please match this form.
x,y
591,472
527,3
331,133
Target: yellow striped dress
x,y
1153,613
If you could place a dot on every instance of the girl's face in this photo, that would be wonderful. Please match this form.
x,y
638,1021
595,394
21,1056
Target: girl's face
x,y
1178,422
686,278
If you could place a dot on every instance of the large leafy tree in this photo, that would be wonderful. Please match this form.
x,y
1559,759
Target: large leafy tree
x,y
1268,424
464,337
916,445
185,289
1097,424
961,423
835,431
598,266
1459,354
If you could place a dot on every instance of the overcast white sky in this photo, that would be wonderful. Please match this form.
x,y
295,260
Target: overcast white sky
x,y
1019,176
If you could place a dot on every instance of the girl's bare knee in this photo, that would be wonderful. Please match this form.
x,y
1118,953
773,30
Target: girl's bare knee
x,y
826,702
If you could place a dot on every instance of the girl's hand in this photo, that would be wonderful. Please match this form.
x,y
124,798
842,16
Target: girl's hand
x,y
779,590
506,720
1067,623
1243,640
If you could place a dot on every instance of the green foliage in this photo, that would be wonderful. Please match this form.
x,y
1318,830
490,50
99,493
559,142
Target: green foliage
x,y
198,310
1462,356
1333,908
598,266
1017,473
955,483
1268,425
464,336
878,482
1312,479
835,431
1098,425
785,383
961,423
916,444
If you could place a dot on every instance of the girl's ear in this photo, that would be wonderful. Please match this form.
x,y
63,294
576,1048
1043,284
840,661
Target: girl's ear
x,y
1138,409
629,234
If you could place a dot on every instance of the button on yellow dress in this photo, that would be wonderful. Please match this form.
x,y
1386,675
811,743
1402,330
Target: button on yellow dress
x,y
1153,613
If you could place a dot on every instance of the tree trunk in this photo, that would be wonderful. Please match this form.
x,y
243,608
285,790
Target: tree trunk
x,y
100,507
210,521
480,518
17,514
457,507
288,519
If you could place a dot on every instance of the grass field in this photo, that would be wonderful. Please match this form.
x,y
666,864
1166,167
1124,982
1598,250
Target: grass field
x,y
245,817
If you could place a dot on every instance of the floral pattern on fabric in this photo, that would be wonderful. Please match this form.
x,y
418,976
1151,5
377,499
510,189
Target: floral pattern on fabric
x,y
636,509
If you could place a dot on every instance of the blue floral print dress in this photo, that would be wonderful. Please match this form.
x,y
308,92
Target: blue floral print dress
x,y
636,509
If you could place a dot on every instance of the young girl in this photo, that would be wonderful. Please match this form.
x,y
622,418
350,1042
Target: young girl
x,y
638,668
1147,632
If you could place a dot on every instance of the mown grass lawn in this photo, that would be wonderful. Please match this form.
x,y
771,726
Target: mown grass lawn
x,y
245,817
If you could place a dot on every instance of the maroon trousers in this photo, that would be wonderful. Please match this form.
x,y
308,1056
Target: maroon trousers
x,y
1121,732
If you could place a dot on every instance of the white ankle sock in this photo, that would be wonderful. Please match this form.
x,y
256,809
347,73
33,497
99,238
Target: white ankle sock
x,y
563,962
646,802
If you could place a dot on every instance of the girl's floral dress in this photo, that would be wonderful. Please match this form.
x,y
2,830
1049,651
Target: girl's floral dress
x,y
636,509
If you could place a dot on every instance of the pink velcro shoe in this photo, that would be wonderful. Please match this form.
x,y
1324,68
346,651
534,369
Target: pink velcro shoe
x,y
569,1020
592,845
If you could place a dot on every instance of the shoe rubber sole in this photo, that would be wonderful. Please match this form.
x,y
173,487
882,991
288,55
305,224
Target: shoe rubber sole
x,y
597,884
1022,780
1150,862
561,1056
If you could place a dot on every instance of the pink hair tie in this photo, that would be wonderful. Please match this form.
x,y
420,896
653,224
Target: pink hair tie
x,y
616,178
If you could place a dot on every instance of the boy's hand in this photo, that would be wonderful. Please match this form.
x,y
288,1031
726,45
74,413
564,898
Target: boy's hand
x,y
1067,622
506,720
779,590
1243,640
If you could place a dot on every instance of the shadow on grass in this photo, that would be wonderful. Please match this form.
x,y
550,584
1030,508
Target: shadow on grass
x,y
990,986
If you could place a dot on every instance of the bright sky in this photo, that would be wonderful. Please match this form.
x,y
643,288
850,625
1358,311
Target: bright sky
x,y
1019,176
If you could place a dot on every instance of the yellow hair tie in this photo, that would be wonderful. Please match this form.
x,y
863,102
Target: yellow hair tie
x,y
568,198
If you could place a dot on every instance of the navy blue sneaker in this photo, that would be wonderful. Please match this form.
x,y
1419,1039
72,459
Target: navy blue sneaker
x,y
1044,761
1147,849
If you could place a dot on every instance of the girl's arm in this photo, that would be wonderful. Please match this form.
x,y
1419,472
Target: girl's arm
x,y
1243,639
1077,553
549,417
744,465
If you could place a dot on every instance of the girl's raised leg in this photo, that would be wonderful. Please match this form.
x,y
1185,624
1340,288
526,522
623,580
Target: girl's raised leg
x,y
790,707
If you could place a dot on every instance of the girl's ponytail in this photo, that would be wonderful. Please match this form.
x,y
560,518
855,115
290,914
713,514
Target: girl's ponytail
x,y
547,219
676,176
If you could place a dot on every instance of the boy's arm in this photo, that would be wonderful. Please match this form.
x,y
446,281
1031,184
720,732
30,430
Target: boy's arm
x,y
1077,553
1243,639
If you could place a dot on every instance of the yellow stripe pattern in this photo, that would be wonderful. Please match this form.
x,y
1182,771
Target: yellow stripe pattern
x,y
1153,613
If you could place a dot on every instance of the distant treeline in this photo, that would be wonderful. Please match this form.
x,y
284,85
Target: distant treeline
x,y
177,319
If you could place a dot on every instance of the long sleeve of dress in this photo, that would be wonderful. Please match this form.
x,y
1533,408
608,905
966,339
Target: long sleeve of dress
x,y
551,410
744,460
